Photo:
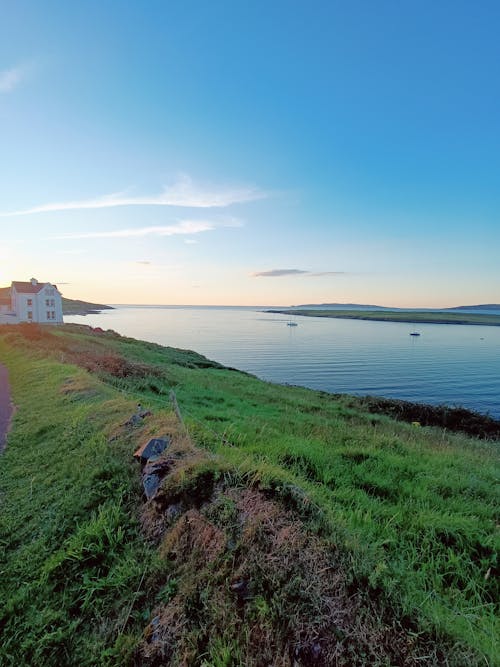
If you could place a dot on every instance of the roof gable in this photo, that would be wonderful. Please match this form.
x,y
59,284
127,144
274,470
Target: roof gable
x,y
27,288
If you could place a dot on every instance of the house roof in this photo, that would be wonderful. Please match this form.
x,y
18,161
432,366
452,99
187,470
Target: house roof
x,y
27,288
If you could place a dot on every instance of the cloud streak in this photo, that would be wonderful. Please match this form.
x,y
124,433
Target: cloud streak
x,y
10,78
183,227
278,273
183,193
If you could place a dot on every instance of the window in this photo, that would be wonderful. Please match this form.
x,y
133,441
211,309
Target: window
x,y
48,314
47,302
53,315
52,303
30,302
30,314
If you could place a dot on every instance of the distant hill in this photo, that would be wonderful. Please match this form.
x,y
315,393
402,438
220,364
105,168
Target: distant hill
x,y
344,306
484,306
361,306
77,307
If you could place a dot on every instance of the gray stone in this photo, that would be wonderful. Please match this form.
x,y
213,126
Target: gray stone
x,y
152,474
152,450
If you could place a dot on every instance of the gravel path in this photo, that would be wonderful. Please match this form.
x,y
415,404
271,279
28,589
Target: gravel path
x,y
6,407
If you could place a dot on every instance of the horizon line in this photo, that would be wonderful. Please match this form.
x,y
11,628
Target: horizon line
x,y
239,305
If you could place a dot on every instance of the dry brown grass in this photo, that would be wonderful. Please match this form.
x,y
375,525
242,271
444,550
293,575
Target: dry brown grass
x,y
111,364
193,534
93,355
252,582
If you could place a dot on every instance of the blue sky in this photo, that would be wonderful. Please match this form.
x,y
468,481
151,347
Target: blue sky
x,y
252,153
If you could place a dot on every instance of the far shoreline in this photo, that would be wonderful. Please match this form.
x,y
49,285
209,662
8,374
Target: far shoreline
x,y
408,317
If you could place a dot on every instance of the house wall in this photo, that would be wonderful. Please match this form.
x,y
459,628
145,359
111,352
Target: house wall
x,y
49,305
22,304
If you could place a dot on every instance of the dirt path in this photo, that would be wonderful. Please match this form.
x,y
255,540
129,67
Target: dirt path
x,y
6,407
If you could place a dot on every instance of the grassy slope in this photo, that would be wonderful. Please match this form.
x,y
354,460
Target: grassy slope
x,y
71,551
413,317
412,511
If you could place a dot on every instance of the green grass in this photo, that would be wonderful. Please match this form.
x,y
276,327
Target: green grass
x,y
411,510
410,316
415,511
71,552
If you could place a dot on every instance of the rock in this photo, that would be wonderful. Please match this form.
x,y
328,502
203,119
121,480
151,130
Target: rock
x,y
151,632
173,511
242,590
316,650
136,418
151,450
152,474
309,654
133,421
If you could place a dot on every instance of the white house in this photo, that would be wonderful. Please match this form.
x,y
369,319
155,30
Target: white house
x,y
31,302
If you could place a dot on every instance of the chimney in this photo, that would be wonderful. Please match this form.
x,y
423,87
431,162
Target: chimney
x,y
34,281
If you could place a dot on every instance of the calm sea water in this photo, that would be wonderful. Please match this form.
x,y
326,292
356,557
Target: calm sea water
x,y
449,364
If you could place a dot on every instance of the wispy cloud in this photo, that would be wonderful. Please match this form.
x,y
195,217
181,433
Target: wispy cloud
x,y
278,273
10,78
183,227
143,261
183,193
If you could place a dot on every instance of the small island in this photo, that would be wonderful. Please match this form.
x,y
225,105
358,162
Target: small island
x,y
410,316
